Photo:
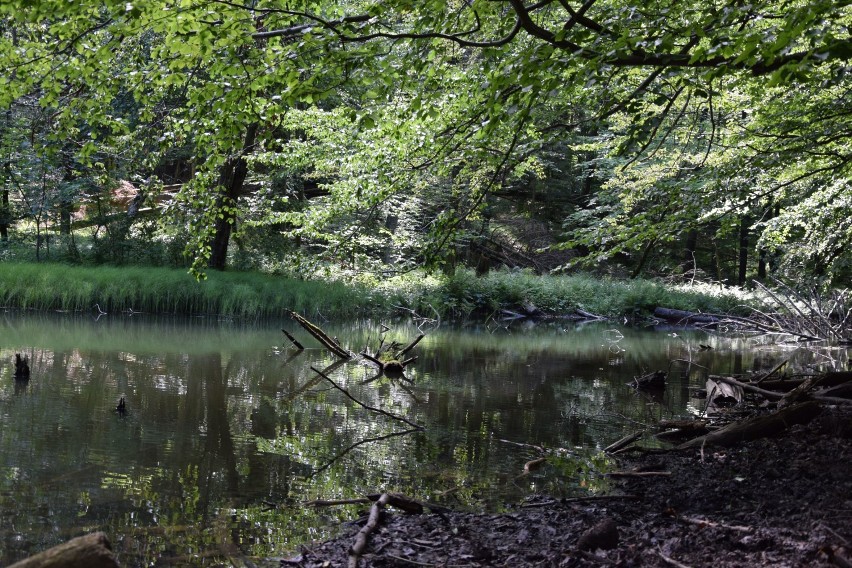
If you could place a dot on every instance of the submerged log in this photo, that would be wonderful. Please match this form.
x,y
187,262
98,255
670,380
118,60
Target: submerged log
x,y
758,427
651,381
88,551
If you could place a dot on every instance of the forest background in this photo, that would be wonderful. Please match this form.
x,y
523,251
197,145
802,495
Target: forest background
x,y
372,141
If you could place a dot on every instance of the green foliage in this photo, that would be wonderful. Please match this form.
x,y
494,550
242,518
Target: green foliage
x,y
401,126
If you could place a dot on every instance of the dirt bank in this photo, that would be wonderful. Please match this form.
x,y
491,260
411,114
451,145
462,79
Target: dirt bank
x,y
785,501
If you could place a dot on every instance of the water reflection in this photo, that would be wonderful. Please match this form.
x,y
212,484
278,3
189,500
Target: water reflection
x,y
228,430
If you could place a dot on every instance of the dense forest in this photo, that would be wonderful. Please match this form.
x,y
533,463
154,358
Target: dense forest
x,y
703,139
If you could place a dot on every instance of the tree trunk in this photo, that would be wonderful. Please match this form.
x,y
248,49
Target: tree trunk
x,y
762,253
231,178
645,254
745,222
689,265
5,215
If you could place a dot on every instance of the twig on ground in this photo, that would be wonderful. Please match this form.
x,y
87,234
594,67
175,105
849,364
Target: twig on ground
x,y
670,560
579,500
364,534
638,474
707,523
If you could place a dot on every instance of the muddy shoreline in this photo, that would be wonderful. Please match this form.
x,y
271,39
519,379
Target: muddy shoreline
x,y
781,501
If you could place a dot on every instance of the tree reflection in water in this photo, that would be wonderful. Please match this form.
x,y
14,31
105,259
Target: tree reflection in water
x,y
228,430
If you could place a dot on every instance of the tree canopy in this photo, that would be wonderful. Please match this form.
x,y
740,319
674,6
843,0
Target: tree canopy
x,y
399,130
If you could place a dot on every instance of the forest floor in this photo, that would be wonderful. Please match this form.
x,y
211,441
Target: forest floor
x,y
782,501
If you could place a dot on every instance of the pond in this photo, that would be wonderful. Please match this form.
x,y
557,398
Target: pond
x,y
229,430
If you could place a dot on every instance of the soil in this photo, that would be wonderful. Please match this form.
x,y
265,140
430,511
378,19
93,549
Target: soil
x,y
783,501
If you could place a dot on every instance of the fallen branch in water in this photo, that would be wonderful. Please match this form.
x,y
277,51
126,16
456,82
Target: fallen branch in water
x,y
774,370
361,404
361,443
321,336
293,340
335,502
410,346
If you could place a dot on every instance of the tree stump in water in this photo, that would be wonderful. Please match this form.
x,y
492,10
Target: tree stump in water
x,y
22,367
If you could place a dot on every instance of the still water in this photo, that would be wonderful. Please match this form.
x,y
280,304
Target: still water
x,y
229,430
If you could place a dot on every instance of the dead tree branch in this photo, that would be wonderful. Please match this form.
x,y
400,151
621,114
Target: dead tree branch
x,y
321,336
361,404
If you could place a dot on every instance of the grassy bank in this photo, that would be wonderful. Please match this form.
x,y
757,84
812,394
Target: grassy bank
x,y
165,290
254,295
465,293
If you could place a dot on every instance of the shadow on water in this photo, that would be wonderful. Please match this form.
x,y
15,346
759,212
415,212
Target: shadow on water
x,y
227,430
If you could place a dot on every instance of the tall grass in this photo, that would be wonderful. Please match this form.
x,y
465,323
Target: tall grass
x,y
256,295
464,294
162,290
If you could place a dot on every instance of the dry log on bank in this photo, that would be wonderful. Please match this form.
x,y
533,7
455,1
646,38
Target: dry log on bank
x,y
801,391
681,428
758,427
772,395
400,501
88,551
682,316
621,443
683,424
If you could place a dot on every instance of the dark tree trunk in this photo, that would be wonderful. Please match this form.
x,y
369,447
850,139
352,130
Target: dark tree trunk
x,y
762,253
645,254
689,265
745,222
761,264
5,215
5,211
231,179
